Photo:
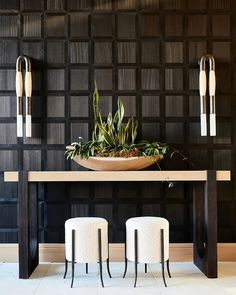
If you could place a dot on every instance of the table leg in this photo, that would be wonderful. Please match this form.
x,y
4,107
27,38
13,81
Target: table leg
x,y
205,225
28,226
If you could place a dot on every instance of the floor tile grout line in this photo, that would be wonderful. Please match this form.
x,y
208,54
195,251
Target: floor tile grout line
x,y
42,278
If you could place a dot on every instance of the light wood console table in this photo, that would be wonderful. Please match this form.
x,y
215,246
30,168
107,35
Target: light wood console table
x,y
204,208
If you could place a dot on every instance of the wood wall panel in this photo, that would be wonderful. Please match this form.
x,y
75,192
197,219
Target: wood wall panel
x,y
32,26
146,52
8,25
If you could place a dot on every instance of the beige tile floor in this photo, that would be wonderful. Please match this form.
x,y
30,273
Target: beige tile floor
x,y
186,280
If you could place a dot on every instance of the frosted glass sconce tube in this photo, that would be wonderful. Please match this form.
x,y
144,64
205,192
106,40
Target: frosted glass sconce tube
x,y
203,97
19,96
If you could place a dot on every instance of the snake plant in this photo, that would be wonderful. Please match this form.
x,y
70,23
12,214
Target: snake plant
x,y
114,138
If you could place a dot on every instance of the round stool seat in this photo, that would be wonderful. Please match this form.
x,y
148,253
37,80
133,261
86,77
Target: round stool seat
x,y
86,236
148,239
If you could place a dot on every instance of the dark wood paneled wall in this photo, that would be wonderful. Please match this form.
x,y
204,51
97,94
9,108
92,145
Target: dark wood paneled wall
x,y
145,52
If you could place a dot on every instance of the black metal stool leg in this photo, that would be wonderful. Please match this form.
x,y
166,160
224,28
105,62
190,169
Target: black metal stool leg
x,y
86,266
108,268
100,254
136,256
145,267
66,266
168,267
126,260
126,266
108,260
162,257
73,257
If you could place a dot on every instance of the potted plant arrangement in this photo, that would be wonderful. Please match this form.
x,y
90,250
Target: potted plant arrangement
x,y
113,145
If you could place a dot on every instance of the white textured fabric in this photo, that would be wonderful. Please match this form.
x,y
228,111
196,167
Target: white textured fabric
x,y
86,238
149,238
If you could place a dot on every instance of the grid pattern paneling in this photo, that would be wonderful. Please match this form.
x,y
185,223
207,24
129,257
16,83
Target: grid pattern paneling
x,y
145,52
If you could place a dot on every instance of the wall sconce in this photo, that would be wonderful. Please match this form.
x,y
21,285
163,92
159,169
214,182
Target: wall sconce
x,y
19,96
202,90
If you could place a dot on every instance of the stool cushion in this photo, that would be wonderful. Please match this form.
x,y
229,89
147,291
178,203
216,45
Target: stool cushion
x,y
86,238
149,238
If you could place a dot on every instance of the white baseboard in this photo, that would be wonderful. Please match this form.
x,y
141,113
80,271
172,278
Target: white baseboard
x,y
179,252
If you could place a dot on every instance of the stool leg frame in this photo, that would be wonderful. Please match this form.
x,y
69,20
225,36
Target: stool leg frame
x,y
100,254
145,267
73,257
136,256
168,267
162,257
86,267
66,267
108,262
126,260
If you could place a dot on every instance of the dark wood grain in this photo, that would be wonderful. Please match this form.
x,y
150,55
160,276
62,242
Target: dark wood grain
x,y
7,79
150,106
173,25
28,225
126,26
55,133
145,52
126,52
78,4
55,160
127,4
8,134
8,160
103,52
56,52
79,106
103,78
174,106
173,4
29,5
150,79
8,26
102,25
8,51
205,226
55,106
150,51
103,5
149,25
32,26
174,52
221,4
79,79
32,160
197,25
79,130
34,50
56,79
55,25
55,4
221,25
173,79
79,24
79,52
126,79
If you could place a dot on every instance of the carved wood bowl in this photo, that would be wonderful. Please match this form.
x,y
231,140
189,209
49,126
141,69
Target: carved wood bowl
x,y
116,163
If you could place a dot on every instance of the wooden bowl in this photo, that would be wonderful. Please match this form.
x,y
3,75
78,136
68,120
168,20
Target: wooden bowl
x,y
116,163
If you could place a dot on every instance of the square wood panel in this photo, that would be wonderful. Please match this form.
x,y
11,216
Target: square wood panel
x,y
144,52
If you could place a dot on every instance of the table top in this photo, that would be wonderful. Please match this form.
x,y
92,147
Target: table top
x,y
85,176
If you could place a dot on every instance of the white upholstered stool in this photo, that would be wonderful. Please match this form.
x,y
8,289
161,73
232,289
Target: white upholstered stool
x,y
147,241
86,240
